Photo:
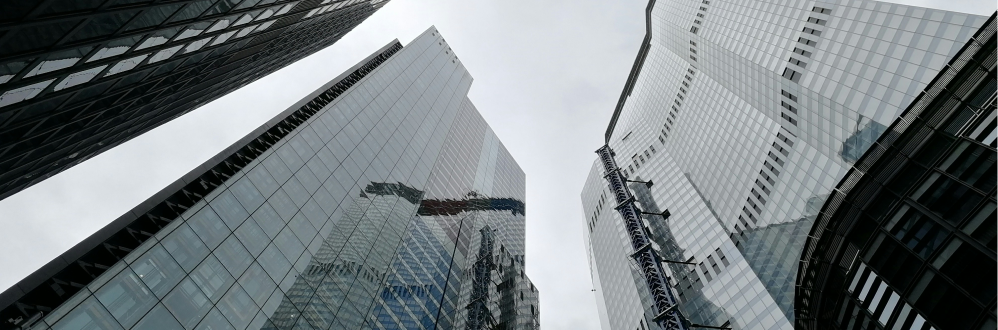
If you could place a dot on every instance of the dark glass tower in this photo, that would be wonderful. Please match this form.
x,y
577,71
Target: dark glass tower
x,y
381,201
78,77
907,239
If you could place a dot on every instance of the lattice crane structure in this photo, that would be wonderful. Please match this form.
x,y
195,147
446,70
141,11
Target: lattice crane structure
x,y
668,316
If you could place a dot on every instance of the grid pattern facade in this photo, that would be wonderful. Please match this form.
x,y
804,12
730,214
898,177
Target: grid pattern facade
x,y
745,114
368,211
80,77
907,241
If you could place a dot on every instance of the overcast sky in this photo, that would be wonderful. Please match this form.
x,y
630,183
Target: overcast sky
x,y
547,78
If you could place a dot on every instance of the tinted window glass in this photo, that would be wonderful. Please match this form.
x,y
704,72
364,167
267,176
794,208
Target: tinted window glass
x,y
187,303
126,298
158,270
185,247
209,227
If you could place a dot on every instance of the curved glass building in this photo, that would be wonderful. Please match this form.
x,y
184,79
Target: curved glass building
x,y
907,239
743,116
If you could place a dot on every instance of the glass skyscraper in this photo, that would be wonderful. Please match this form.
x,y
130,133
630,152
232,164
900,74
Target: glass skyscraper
x,y
743,116
907,239
383,200
78,77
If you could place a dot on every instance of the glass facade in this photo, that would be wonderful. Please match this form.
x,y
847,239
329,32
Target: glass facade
x,y
745,115
381,201
907,240
78,77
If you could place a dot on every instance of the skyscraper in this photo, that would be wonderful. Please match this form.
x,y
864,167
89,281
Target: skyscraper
x,y
383,200
907,239
78,77
737,120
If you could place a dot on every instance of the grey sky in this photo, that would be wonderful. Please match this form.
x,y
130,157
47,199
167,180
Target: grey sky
x,y
547,77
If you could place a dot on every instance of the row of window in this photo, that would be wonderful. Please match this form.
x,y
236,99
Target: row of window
x,y
697,24
674,111
596,213
120,46
64,59
880,301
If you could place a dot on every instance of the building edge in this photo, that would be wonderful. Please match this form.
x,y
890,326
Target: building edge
x,y
632,77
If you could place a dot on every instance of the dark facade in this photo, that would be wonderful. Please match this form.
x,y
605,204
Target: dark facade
x,y
78,77
381,201
907,239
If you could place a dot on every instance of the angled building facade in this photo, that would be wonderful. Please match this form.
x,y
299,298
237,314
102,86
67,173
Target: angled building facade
x,y
381,201
743,116
80,77
907,239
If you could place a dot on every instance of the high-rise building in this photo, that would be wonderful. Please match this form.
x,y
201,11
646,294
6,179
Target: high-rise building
x,y
907,239
742,116
383,200
78,77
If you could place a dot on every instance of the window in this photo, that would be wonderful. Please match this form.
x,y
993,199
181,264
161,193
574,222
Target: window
x,y
233,256
791,74
158,318
237,306
797,62
152,17
229,209
788,106
209,227
126,298
77,78
917,232
192,10
812,31
163,54
802,52
252,236
247,194
257,284
102,25
821,10
59,60
87,315
212,278
185,247
125,65
816,21
792,98
188,303
806,41
158,270
789,119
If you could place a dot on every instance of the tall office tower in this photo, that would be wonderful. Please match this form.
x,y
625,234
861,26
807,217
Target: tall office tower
x,y
78,77
382,200
907,239
744,115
